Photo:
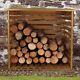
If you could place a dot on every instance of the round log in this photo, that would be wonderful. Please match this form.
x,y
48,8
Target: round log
x,y
13,52
53,46
40,34
61,48
27,31
18,48
45,46
21,26
33,54
33,34
47,53
18,35
44,40
28,39
35,40
29,60
48,60
55,53
22,43
19,54
42,60
39,45
21,60
14,59
41,52
35,60
59,55
24,50
27,55
32,46
54,60
13,28
65,60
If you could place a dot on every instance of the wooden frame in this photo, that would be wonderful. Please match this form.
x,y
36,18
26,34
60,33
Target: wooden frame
x,y
48,11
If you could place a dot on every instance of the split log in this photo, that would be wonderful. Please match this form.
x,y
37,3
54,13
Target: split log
x,y
13,28
19,54
48,60
45,46
47,53
21,60
27,31
28,39
39,45
35,60
24,50
54,60
55,53
21,26
53,46
27,55
44,40
33,54
59,55
13,52
61,48
42,60
64,60
14,59
41,52
32,46
22,43
29,60
18,35
35,40
18,48
33,34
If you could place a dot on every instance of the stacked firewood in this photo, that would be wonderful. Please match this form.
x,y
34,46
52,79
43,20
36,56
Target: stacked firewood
x,y
28,46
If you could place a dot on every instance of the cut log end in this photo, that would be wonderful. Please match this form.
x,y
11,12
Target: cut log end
x,y
21,60
41,52
32,46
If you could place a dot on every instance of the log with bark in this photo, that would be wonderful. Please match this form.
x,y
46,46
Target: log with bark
x,y
14,59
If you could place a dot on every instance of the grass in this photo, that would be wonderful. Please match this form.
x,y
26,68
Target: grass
x,y
37,78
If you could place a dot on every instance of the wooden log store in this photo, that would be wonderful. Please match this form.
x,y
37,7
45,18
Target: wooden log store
x,y
40,38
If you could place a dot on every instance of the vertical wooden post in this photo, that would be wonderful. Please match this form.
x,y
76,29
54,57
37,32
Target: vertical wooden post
x,y
72,25
8,42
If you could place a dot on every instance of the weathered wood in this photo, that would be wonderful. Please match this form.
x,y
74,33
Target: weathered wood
x,y
48,60
39,45
22,43
13,52
33,54
42,60
35,60
35,40
19,54
65,60
32,46
59,55
27,55
28,39
24,50
29,60
21,60
53,46
41,52
44,40
27,31
47,53
54,60
45,46
18,35
13,28
14,59
21,26
33,34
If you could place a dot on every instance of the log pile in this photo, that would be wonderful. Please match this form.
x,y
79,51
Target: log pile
x,y
33,47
